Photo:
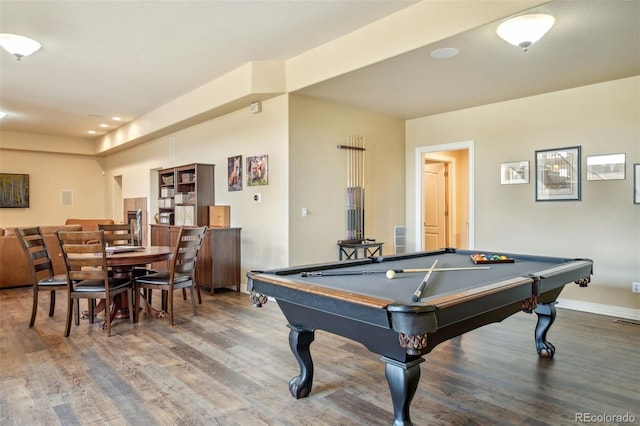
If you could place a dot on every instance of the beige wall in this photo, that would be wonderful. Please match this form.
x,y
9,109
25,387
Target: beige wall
x,y
49,174
21,141
604,226
318,177
265,224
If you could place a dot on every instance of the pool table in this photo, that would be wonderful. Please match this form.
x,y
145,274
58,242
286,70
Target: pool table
x,y
356,300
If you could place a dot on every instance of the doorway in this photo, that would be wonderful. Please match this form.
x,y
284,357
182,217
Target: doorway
x,y
444,196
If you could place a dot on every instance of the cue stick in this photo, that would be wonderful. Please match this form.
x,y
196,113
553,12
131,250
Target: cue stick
x,y
465,268
380,271
417,295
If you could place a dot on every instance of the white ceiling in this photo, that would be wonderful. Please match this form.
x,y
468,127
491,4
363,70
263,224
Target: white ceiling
x,y
126,58
591,42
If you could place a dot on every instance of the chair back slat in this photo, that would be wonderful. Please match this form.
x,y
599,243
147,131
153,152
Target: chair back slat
x,y
189,255
37,252
43,266
183,268
30,231
89,247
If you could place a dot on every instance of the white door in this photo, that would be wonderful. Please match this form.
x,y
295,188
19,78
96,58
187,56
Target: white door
x,y
435,206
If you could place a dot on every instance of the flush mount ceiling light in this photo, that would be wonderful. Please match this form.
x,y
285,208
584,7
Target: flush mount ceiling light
x,y
523,31
444,53
19,46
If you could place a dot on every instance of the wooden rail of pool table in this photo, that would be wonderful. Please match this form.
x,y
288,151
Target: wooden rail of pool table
x,y
369,301
456,298
439,302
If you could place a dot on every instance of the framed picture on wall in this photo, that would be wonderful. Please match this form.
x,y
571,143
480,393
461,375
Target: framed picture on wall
x,y
636,184
606,167
558,174
234,173
258,170
14,190
514,172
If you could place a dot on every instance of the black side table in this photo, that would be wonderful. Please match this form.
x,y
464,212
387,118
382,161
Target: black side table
x,y
349,249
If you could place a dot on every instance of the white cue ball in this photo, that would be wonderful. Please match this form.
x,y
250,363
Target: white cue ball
x,y
391,274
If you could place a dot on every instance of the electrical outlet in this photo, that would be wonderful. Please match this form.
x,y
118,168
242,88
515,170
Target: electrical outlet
x,y
305,212
635,287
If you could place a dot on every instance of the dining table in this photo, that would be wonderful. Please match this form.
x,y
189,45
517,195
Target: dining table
x,y
122,260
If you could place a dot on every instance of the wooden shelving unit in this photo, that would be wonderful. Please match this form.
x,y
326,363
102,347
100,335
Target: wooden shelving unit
x,y
185,194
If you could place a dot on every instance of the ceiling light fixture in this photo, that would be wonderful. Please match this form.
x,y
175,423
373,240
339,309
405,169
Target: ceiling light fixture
x,y
445,53
19,46
2,114
523,31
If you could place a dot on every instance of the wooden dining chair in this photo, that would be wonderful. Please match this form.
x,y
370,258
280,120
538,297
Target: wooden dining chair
x,y
122,234
119,234
181,274
85,257
42,274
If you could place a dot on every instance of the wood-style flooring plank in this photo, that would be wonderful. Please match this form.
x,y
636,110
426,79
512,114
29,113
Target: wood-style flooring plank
x,y
231,365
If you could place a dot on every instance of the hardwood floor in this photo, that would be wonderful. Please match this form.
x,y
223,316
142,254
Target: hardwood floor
x,y
231,366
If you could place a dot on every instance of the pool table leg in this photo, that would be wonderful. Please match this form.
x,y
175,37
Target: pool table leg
x,y
546,315
300,342
403,378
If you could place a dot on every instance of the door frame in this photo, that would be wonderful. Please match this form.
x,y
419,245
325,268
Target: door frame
x,y
419,161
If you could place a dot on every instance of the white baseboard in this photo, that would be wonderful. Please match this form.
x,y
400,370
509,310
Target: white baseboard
x,y
598,308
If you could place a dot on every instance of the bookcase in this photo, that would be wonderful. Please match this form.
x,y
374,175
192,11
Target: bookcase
x,y
185,194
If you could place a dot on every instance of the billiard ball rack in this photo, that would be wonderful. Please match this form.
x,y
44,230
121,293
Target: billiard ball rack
x,y
479,259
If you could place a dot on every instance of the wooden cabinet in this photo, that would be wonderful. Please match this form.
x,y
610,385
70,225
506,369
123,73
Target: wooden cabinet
x,y
163,235
185,194
218,264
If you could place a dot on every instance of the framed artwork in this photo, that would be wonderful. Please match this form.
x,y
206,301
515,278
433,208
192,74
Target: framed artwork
x,y
636,184
14,190
558,174
606,167
514,172
234,173
258,170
